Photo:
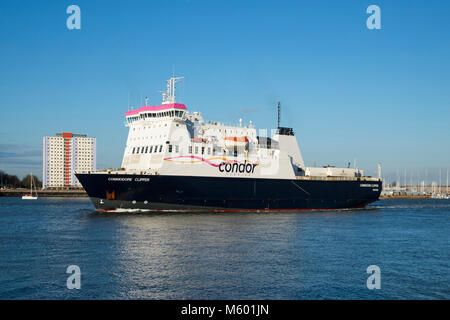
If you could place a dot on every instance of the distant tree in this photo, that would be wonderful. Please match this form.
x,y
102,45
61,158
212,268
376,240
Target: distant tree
x,y
2,176
11,181
26,182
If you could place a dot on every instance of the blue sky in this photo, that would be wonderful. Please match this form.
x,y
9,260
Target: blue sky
x,y
348,92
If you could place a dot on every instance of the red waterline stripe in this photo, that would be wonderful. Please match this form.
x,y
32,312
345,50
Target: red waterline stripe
x,y
226,210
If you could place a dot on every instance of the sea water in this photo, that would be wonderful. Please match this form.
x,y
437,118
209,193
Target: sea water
x,y
304,255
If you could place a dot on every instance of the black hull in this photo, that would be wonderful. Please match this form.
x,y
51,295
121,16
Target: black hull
x,y
160,192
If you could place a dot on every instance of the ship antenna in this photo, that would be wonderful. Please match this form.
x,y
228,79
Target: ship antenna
x,y
169,95
279,114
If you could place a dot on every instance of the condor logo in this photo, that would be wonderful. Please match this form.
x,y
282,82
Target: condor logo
x,y
237,167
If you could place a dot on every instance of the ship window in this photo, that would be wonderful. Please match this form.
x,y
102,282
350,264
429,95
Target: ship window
x,y
209,150
170,148
177,148
196,150
160,148
203,150
190,149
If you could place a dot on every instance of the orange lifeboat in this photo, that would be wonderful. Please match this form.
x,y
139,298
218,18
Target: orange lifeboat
x,y
238,142
199,140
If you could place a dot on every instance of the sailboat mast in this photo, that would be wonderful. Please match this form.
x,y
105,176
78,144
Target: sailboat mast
x,y
446,189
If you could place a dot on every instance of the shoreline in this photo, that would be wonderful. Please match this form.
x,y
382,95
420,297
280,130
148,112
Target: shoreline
x,y
422,197
79,193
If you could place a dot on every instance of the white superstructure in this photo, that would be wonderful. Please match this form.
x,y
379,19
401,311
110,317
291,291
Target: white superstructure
x,y
169,140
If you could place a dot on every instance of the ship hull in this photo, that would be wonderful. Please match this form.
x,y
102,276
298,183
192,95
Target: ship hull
x,y
189,193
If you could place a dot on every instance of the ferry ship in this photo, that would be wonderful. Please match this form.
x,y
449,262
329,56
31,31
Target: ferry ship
x,y
176,161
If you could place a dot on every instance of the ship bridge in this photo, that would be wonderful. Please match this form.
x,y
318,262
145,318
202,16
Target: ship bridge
x,y
169,110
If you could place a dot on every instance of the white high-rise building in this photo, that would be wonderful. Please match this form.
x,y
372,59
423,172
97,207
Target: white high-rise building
x,y
63,154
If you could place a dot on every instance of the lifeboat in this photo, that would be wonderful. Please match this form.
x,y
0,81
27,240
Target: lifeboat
x,y
199,140
236,142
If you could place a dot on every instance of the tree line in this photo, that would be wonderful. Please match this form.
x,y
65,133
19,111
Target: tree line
x,y
12,181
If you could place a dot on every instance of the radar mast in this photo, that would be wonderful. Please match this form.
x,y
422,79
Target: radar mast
x,y
169,95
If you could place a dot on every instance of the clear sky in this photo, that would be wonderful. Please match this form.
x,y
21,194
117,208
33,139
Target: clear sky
x,y
348,92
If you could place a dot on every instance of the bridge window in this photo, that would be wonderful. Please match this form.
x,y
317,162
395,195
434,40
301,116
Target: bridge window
x,y
160,148
146,149
137,150
151,148
134,149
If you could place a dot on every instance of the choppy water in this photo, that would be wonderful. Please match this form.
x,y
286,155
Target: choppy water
x,y
320,255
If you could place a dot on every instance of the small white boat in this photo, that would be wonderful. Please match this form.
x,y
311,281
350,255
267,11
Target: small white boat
x,y
30,196
440,196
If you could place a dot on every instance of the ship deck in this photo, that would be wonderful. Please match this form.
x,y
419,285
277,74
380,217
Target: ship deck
x,y
315,178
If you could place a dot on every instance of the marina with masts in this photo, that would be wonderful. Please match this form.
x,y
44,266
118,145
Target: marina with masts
x,y
417,185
